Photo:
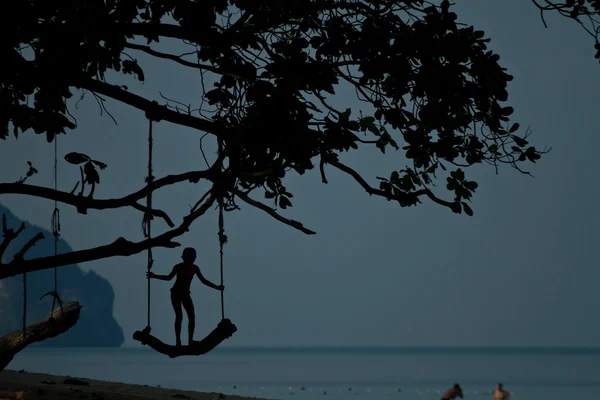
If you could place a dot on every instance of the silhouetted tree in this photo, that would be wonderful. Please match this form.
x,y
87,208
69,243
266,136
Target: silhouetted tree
x,y
430,86
585,12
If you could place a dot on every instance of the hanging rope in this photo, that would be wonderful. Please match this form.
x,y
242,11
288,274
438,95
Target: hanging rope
x,y
56,229
24,305
55,226
221,233
222,241
146,224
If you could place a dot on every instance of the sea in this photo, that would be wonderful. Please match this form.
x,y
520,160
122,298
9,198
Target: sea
x,y
338,373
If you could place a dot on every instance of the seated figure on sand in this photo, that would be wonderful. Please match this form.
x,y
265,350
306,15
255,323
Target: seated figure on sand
x,y
180,292
452,393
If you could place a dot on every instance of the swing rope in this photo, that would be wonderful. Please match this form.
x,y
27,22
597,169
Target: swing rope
x,y
24,305
147,224
55,231
221,233
222,241
55,226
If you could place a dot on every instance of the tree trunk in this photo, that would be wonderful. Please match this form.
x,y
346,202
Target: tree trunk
x,y
223,331
53,325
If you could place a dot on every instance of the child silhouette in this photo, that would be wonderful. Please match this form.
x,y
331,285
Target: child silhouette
x,y
180,292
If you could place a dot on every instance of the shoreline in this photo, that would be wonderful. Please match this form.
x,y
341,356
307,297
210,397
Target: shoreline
x,y
16,385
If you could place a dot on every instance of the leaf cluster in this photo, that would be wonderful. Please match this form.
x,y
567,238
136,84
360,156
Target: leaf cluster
x,y
431,87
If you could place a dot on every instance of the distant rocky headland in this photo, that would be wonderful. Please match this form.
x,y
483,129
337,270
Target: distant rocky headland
x,y
96,326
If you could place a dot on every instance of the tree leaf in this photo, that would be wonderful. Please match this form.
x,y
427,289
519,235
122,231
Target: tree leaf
x,y
91,174
284,202
132,67
519,141
467,209
100,164
76,158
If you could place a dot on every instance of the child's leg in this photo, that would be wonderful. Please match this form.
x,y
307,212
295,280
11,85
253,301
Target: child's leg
x,y
189,309
176,302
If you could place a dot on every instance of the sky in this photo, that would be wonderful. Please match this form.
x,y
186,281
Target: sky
x,y
521,272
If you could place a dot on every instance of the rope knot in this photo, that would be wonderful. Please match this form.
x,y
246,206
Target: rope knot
x,y
55,299
222,238
56,222
146,223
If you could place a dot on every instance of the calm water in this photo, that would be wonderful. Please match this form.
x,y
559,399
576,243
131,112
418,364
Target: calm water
x,y
339,373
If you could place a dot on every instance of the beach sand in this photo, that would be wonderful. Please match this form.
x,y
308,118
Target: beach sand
x,y
16,385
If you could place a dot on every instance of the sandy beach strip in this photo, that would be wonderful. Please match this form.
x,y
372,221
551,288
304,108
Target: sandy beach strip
x,y
15,385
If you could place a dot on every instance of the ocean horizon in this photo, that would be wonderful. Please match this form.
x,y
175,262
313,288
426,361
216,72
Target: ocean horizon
x,y
520,350
311,372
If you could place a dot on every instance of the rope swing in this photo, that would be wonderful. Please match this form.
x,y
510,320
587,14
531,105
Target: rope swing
x,y
225,328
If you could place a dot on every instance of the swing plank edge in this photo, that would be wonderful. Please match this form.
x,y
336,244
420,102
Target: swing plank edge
x,y
53,325
224,330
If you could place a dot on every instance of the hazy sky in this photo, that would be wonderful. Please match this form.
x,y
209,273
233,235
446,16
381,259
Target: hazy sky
x,y
522,271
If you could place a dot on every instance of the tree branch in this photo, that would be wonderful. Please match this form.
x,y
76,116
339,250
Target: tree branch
x,y
8,235
272,213
390,196
85,203
157,111
19,256
111,29
120,247
154,213
179,60
57,322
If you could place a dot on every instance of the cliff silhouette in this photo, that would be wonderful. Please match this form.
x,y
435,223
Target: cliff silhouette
x,y
96,327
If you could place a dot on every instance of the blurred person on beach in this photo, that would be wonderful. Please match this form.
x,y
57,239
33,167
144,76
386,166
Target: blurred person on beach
x,y
19,395
500,393
180,292
452,393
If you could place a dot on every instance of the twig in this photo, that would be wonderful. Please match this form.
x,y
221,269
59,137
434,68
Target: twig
x,y
390,196
19,256
154,212
201,200
272,213
166,56
322,169
8,235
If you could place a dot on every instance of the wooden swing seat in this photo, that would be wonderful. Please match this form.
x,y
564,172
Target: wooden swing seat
x,y
223,331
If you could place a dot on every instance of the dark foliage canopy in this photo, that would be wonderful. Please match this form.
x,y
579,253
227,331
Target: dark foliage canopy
x,y
430,86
